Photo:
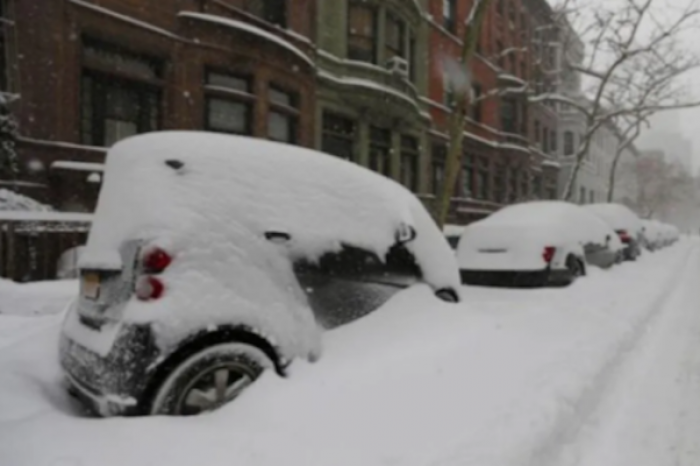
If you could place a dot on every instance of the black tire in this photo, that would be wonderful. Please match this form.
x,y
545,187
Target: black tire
x,y
575,268
209,379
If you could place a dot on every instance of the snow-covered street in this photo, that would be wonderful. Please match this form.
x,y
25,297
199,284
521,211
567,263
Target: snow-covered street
x,y
605,372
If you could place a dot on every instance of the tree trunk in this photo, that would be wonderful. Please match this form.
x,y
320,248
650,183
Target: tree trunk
x,y
459,112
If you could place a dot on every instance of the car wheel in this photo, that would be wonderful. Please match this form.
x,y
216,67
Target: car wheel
x,y
209,379
575,268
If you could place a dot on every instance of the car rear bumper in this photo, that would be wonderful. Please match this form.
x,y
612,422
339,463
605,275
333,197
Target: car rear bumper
x,y
114,383
512,278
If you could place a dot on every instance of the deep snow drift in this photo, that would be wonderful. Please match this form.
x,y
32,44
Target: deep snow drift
x,y
505,378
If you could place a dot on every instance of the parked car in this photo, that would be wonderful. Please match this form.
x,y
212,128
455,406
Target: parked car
x,y
626,224
535,244
651,235
213,258
669,235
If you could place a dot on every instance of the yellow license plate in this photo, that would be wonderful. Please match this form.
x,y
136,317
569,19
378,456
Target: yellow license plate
x,y
91,285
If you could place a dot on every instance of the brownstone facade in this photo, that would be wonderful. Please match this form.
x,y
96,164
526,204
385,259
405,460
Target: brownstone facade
x,y
505,157
91,72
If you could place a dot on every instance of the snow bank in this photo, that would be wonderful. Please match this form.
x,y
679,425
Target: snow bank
x,y
501,382
211,210
38,298
12,201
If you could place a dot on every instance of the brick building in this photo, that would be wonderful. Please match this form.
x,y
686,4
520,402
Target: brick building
x,y
92,72
507,139
364,80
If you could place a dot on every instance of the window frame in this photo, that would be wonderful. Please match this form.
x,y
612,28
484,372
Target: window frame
x,y
215,92
338,136
449,21
290,111
410,152
372,54
380,150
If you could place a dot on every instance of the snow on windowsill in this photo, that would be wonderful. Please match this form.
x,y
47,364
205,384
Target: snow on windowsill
x,y
369,85
44,216
247,28
62,144
126,19
77,166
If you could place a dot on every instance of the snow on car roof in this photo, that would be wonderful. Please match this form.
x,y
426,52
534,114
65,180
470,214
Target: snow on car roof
x,y
617,215
227,182
552,218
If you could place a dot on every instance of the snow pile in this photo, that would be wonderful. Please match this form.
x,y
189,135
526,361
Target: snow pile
x,y
522,232
209,199
509,379
38,298
12,201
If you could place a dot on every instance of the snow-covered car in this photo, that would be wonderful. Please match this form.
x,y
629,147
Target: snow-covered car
x,y
653,235
214,257
535,243
669,234
626,224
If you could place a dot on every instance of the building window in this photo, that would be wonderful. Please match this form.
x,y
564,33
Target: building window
x,y
4,59
272,11
412,57
513,185
380,150
553,142
537,186
482,179
409,162
545,139
339,135
449,15
538,135
525,186
395,37
568,143
500,7
499,183
582,195
509,115
113,109
283,116
466,176
362,32
475,107
229,103
439,155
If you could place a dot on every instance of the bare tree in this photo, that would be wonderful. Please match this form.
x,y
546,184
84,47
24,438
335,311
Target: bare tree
x,y
462,100
632,74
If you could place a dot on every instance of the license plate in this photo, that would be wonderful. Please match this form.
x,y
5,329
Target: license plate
x,y
91,285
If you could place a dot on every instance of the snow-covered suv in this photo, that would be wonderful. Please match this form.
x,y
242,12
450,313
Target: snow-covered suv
x,y
213,257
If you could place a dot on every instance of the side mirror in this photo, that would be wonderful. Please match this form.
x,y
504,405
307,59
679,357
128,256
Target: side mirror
x,y
448,295
405,234
277,237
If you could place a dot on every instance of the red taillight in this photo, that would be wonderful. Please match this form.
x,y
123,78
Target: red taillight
x,y
624,236
149,288
548,253
156,260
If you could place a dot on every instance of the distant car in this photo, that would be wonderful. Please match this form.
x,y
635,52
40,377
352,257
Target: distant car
x,y
653,235
626,224
213,257
535,244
